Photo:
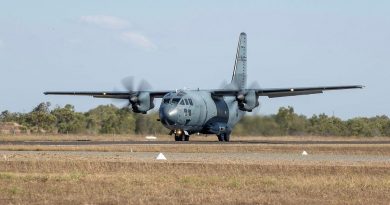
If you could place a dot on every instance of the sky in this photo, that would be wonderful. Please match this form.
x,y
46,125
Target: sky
x,y
92,45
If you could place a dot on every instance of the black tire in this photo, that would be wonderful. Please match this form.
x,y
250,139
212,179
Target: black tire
x,y
178,138
220,137
186,138
227,138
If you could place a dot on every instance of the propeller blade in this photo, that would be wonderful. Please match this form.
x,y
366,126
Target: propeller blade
x,y
256,111
144,86
122,103
232,86
128,83
254,85
223,84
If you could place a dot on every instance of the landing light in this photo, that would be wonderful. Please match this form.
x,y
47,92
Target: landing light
x,y
173,112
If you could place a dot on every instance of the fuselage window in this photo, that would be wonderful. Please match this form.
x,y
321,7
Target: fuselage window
x,y
175,101
185,112
190,101
186,101
189,112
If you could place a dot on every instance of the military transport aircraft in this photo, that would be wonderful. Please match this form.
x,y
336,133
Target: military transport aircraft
x,y
217,111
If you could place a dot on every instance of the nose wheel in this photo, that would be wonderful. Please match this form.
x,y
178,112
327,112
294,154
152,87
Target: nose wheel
x,y
224,137
178,138
181,136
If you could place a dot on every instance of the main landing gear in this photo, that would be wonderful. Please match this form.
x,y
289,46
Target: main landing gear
x,y
181,135
224,137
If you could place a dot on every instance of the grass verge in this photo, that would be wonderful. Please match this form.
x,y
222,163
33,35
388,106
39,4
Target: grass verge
x,y
103,182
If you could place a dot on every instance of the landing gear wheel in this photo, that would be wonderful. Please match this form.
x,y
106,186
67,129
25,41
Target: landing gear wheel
x,y
178,138
224,137
227,137
186,137
220,137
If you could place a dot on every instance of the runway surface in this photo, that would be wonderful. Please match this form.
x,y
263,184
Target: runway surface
x,y
196,157
275,142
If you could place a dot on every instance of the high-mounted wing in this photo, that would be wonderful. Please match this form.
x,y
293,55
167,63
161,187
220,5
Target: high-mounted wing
x,y
140,101
109,94
285,92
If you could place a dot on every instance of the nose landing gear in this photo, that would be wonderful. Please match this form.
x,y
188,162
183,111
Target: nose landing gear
x,y
224,137
181,135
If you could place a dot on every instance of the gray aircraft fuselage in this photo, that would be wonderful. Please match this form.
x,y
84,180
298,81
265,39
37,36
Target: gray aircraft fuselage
x,y
199,112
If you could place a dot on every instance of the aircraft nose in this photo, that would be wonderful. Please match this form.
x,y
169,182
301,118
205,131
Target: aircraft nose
x,y
168,114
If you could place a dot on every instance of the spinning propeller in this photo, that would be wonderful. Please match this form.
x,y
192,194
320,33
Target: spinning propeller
x,y
139,100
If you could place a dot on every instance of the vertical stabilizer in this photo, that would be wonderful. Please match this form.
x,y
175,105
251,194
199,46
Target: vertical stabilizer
x,y
239,72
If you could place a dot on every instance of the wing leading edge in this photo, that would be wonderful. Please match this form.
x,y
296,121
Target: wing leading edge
x,y
286,92
109,94
269,92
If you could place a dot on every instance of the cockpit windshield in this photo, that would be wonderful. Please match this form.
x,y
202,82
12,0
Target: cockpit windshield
x,y
166,100
175,101
178,100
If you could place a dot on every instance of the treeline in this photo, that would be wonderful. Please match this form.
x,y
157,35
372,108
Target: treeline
x,y
287,122
109,119
104,119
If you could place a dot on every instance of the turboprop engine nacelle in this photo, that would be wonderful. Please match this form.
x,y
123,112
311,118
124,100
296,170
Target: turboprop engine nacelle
x,y
248,102
142,102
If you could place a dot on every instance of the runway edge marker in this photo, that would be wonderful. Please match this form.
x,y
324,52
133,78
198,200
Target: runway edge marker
x,y
161,157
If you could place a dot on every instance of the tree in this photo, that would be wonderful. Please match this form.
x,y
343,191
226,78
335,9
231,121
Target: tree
x,y
7,116
289,122
386,129
126,121
257,125
41,119
148,124
326,126
102,119
108,119
69,121
362,127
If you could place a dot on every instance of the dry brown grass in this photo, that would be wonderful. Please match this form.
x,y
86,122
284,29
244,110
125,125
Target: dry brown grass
x,y
107,182
52,178
364,149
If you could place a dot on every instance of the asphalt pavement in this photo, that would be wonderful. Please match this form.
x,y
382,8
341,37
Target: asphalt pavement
x,y
275,142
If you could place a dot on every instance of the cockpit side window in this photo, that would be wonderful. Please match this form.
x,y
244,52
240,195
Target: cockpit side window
x,y
186,101
166,100
181,102
190,101
175,101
